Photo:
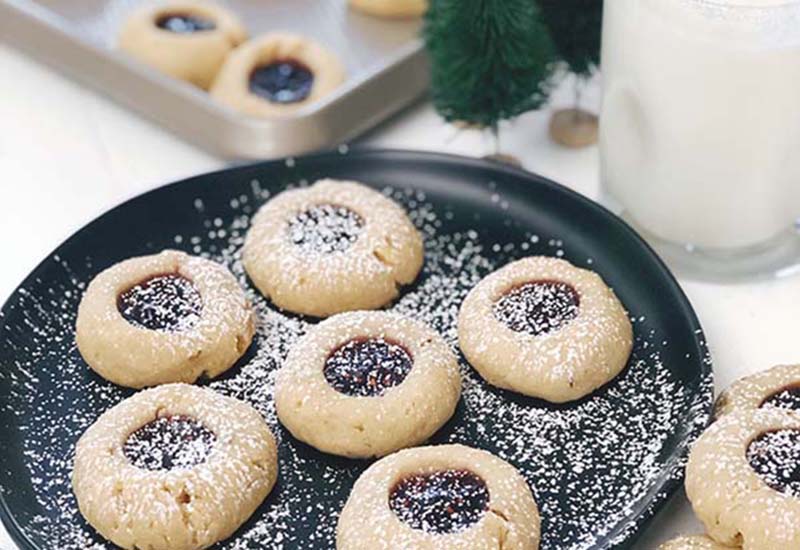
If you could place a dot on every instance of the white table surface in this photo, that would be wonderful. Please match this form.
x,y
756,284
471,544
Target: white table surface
x,y
68,154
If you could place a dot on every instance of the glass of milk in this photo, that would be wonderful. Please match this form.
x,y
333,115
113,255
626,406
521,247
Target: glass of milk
x,y
700,130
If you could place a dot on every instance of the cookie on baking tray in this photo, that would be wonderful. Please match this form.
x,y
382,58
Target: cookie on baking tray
x,y
188,40
391,8
277,74
545,328
167,317
368,383
332,247
447,496
173,468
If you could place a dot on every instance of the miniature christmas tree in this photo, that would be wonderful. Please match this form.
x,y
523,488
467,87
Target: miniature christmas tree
x,y
575,27
491,59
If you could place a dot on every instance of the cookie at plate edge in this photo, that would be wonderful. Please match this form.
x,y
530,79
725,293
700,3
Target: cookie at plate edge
x,y
776,387
545,328
742,482
175,467
693,542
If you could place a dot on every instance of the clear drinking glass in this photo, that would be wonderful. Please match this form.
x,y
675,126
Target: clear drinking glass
x,y
700,130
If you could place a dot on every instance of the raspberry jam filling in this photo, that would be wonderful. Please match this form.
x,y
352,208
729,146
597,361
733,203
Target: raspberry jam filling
x,y
367,367
787,398
775,457
167,303
442,502
282,81
182,23
168,443
325,229
538,307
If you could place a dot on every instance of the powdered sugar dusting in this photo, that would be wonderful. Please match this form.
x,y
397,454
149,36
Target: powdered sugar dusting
x,y
367,367
447,501
325,229
774,457
170,303
589,463
169,442
537,308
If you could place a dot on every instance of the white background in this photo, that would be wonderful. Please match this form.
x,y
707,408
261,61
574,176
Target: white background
x,y
68,154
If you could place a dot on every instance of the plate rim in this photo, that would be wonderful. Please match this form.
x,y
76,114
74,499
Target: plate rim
x,y
633,525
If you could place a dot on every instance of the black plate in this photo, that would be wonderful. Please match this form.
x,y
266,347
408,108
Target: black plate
x,y
600,468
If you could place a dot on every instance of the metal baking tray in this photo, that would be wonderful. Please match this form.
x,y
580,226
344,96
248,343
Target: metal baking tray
x,y
385,61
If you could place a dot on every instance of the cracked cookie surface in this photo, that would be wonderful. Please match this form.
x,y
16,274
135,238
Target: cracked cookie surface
x,y
173,468
446,496
332,247
367,383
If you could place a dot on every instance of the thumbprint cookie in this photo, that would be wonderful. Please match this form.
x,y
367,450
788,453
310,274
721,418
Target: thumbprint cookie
x,y
276,75
778,387
447,496
545,328
183,39
168,317
743,479
173,468
365,384
332,247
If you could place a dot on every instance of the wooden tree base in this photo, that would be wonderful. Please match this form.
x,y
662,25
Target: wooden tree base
x,y
574,128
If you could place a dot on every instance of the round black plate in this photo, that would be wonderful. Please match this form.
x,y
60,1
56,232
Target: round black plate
x,y
600,468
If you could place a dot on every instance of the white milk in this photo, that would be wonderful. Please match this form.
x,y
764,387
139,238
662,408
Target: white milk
x,y
700,127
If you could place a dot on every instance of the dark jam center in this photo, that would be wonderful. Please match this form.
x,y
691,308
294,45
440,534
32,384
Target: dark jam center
x,y
168,303
775,457
538,307
169,442
367,368
442,502
282,81
325,229
788,398
183,23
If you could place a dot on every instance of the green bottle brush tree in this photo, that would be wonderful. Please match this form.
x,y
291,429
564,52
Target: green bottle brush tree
x,y
492,60
575,27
